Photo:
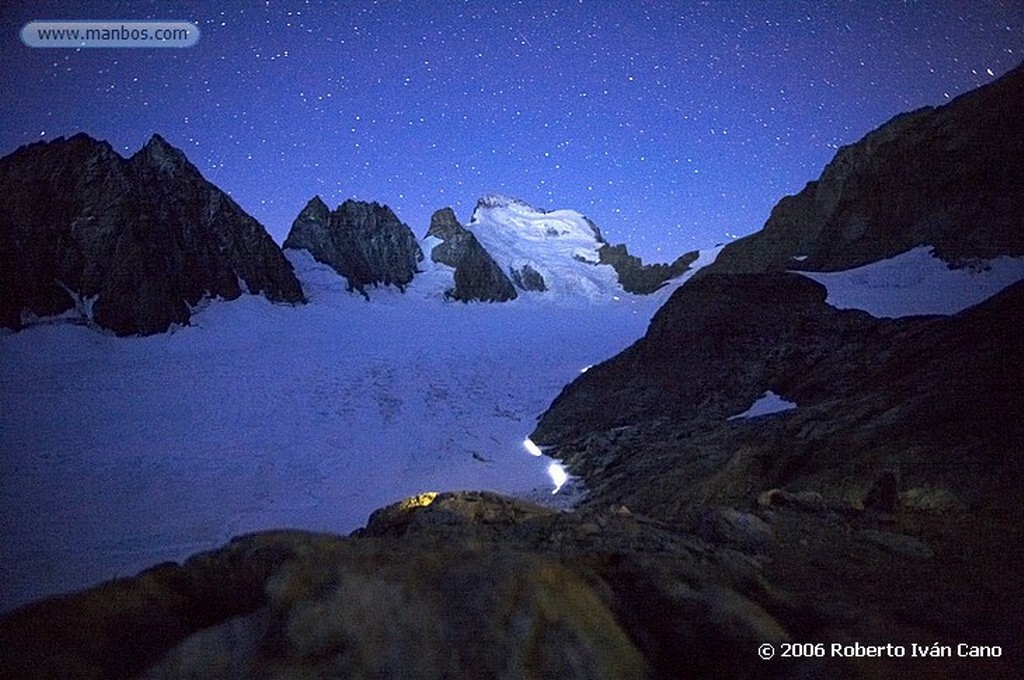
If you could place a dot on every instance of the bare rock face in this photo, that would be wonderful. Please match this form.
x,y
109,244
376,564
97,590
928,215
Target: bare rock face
x,y
364,242
132,244
641,279
528,278
477,275
949,177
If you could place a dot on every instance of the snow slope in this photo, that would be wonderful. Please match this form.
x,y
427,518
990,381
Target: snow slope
x,y
917,282
561,245
118,453
766,404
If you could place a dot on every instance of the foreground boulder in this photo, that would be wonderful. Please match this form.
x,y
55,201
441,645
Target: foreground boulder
x,y
451,585
469,585
128,244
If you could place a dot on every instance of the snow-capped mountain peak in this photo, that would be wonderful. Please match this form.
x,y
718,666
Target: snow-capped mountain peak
x,y
530,222
552,251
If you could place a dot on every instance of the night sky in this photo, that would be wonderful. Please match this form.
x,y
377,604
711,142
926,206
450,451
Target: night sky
x,y
673,125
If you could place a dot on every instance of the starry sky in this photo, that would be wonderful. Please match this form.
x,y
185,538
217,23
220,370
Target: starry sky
x,y
673,125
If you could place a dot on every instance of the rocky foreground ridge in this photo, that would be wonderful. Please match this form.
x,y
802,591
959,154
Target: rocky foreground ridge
x,y
904,434
131,245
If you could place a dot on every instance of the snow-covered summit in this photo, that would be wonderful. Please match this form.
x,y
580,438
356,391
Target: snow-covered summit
x,y
559,245
533,222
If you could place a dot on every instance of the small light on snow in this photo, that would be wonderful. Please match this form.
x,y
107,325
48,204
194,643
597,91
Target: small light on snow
x,y
531,448
586,368
558,475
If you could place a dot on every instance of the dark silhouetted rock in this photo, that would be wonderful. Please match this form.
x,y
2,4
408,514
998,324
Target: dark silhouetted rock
x,y
949,177
477,275
884,495
364,242
641,279
528,278
131,244
733,527
454,585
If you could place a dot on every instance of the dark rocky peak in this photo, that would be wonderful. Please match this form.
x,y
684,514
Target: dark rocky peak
x,y
369,215
364,242
315,210
445,225
948,177
59,153
132,245
314,218
477,275
159,155
597,230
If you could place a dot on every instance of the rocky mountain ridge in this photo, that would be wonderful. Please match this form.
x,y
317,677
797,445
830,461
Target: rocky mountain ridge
x,y
477,276
131,245
134,245
363,242
928,177
507,248
901,432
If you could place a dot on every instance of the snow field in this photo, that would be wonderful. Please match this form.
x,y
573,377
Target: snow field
x,y
119,453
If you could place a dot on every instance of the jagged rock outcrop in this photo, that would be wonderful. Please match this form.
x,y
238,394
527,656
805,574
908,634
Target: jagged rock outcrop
x,y
921,412
923,393
477,275
364,242
528,278
641,279
949,177
131,244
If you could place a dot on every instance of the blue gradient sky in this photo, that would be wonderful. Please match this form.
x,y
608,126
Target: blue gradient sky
x,y
672,125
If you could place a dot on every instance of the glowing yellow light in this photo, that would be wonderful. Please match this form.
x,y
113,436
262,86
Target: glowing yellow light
x,y
558,475
531,448
419,501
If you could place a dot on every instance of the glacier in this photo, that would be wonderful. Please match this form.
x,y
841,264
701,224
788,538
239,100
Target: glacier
x,y
120,453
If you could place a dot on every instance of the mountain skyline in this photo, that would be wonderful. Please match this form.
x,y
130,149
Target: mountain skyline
x,y
672,126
